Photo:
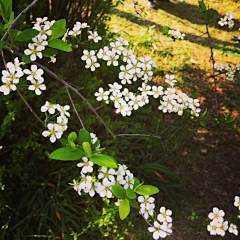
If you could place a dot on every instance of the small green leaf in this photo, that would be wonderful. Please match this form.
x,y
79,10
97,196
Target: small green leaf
x,y
136,183
212,12
231,120
202,122
165,30
15,33
61,22
84,136
26,58
2,44
124,209
59,44
202,5
132,204
1,26
131,194
118,191
58,32
204,114
27,35
87,149
49,52
147,190
104,160
72,137
65,155
64,141
194,95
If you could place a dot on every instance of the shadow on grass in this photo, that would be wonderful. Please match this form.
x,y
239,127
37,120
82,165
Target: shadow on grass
x,y
201,40
189,12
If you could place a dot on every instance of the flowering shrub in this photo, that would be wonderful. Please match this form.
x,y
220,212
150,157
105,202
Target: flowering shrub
x,y
101,174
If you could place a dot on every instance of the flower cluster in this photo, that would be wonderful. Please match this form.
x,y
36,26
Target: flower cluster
x,y
227,70
55,130
175,35
36,79
99,180
218,226
102,182
177,102
165,228
11,77
227,20
126,101
40,41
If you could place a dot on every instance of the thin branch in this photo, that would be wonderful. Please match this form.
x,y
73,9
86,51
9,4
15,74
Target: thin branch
x,y
30,108
150,135
213,64
75,110
135,7
66,85
18,18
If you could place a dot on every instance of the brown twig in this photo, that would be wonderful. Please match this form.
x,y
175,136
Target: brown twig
x,y
75,110
135,7
30,108
213,64
67,85
149,134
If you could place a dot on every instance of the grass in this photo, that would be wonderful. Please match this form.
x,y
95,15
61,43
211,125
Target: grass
x,y
205,158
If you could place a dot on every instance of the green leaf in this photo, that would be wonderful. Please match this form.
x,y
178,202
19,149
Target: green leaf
x,y
27,35
231,120
84,136
64,154
147,190
136,183
87,149
165,30
1,25
72,137
194,95
64,141
202,5
58,32
202,122
5,9
118,191
131,194
15,33
104,160
26,58
61,22
204,114
212,12
2,44
59,44
124,209
132,204
49,52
